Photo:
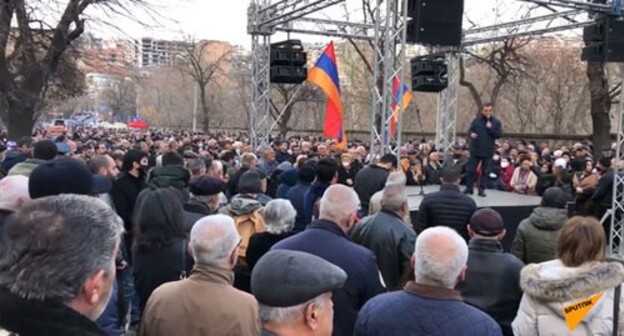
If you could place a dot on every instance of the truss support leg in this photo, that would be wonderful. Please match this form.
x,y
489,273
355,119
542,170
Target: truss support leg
x,y
260,118
447,107
616,236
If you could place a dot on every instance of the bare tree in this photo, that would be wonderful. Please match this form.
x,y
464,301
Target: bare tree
x,y
32,48
120,97
203,61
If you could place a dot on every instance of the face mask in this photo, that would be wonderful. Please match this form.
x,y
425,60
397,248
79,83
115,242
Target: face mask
x,y
346,164
504,164
496,157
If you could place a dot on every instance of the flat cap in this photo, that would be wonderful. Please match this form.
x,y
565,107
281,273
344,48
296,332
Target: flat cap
x,y
206,185
487,222
283,278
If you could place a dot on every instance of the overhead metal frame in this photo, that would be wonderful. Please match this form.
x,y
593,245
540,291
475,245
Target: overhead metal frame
x,y
388,34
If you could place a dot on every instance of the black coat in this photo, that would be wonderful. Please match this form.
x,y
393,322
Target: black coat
x,y
604,191
125,191
155,267
40,318
344,175
4,216
433,174
447,207
493,282
259,244
369,181
483,145
392,243
296,196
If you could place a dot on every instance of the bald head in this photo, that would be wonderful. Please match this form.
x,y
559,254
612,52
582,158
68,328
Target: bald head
x,y
441,255
213,241
339,204
14,192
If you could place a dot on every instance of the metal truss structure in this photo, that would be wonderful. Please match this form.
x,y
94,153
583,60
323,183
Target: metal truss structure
x,y
388,37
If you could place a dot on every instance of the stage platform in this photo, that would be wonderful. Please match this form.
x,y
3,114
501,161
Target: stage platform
x,y
512,207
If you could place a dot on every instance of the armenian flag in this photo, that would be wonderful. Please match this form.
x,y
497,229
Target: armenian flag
x,y
402,95
325,75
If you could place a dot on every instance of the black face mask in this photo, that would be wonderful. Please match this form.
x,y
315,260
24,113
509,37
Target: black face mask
x,y
457,156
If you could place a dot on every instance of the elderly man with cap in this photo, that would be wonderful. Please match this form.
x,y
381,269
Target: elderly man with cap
x,y
327,238
492,277
204,303
205,195
294,293
13,196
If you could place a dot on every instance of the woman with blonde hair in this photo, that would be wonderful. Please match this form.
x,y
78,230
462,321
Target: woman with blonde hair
x,y
575,293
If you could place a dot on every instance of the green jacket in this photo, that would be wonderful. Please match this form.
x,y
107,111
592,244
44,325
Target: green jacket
x,y
26,167
537,235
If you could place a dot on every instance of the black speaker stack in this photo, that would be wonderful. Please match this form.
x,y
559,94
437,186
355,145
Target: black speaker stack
x,y
605,41
429,73
435,22
288,62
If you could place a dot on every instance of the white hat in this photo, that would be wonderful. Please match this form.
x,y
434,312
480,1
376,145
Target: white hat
x,y
561,163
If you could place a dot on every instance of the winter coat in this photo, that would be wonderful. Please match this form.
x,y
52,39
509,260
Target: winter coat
x,y
536,237
260,244
204,304
551,287
483,145
11,158
368,181
530,183
288,179
4,217
447,207
21,317
392,243
169,176
313,194
604,191
154,267
434,174
346,176
125,192
506,174
492,281
327,240
421,310
248,217
296,196
268,167
26,167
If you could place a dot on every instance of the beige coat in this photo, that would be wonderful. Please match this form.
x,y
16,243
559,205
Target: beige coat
x,y
550,286
204,304
531,181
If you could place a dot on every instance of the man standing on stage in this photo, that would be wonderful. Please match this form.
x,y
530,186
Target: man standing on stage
x,y
484,130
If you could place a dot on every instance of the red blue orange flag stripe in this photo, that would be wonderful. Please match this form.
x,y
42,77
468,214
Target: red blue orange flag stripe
x,y
403,96
324,74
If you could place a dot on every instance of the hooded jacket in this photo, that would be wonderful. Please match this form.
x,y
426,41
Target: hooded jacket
x,y
288,179
248,217
169,176
551,287
11,158
537,235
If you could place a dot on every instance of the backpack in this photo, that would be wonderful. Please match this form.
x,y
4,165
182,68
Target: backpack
x,y
247,225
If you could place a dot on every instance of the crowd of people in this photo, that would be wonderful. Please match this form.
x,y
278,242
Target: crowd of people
x,y
176,233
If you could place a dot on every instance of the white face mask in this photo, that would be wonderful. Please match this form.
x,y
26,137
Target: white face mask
x,y
496,157
504,164
346,164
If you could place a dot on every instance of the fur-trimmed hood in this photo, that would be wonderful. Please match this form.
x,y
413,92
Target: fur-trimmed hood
x,y
553,282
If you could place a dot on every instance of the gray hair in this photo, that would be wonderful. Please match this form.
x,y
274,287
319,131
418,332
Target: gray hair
x,y
396,178
441,253
286,315
279,216
338,202
54,244
196,166
393,198
213,238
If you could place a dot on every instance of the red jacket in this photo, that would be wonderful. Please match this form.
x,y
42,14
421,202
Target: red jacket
x,y
506,174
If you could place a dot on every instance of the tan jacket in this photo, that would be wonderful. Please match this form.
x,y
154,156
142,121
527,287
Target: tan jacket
x,y
204,304
531,182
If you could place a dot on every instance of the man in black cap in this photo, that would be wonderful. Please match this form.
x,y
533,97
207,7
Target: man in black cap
x,y
492,277
293,290
205,192
61,176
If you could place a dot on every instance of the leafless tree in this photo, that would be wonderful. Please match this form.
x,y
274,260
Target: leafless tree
x,y
33,40
204,61
120,97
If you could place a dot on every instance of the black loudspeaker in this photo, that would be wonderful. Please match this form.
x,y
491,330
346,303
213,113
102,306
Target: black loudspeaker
x,y
605,41
435,22
429,74
288,62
